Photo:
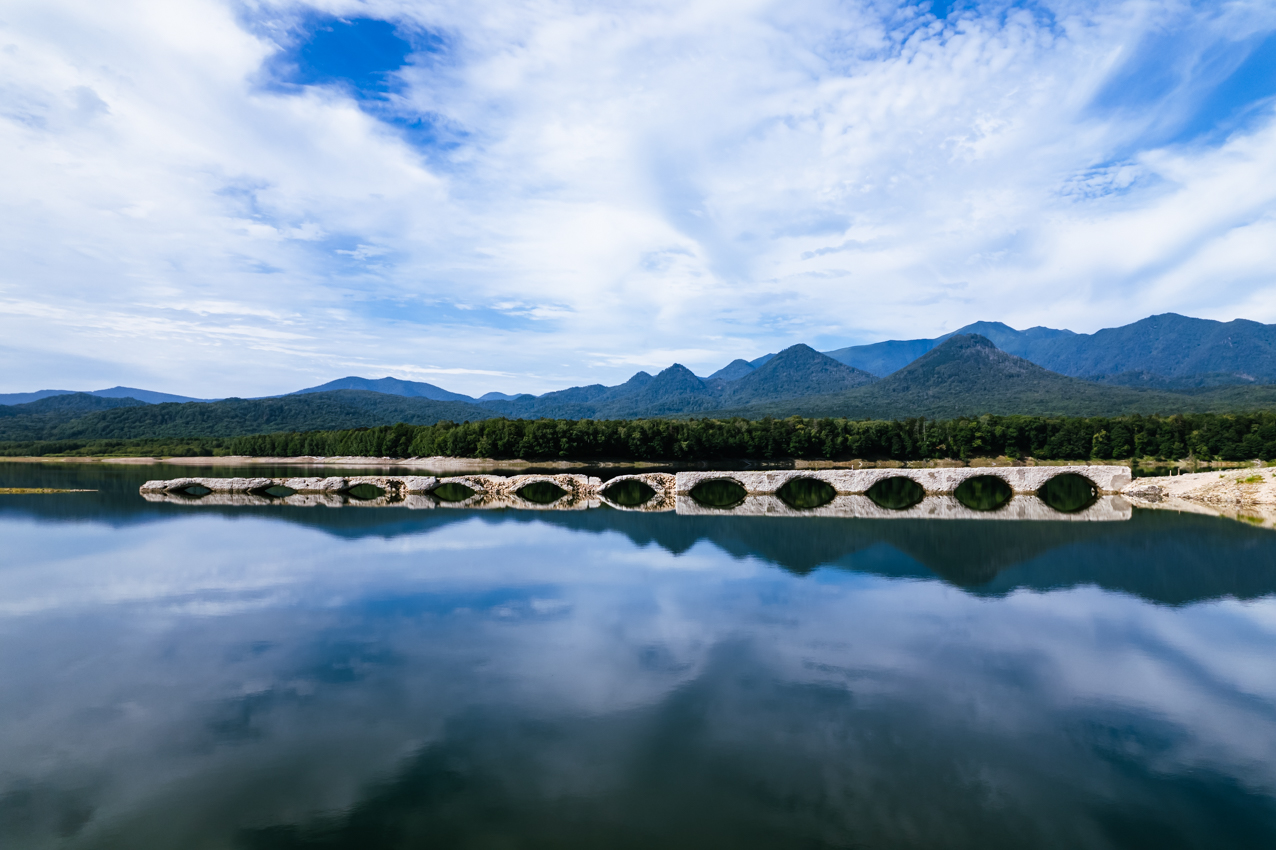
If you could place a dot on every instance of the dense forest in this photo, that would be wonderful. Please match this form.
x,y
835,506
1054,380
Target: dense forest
x,y
1204,436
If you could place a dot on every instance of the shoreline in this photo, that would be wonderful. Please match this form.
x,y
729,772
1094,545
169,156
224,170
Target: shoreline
x,y
465,464
1247,495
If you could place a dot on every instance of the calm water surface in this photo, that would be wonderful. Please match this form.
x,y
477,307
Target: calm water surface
x,y
175,676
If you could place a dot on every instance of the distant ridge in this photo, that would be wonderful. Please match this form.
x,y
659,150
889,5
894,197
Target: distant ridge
x,y
967,375
733,370
1171,355
27,398
147,396
795,372
387,386
1166,351
69,402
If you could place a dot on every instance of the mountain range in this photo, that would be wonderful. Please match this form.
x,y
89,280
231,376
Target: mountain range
x,y
1163,364
965,375
1167,352
146,396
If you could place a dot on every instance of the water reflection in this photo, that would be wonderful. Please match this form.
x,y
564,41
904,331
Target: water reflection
x,y
452,492
806,493
896,494
542,492
222,678
362,492
720,493
1069,493
983,493
629,493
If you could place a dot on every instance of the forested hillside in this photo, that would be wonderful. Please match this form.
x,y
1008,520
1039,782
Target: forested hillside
x,y
967,375
232,417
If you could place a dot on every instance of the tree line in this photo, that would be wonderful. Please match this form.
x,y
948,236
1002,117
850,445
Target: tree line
x,y
1203,436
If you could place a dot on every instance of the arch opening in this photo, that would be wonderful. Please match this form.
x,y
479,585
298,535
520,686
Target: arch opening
x,y
629,493
984,493
541,492
365,492
452,492
803,494
721,493
896,494
1069,493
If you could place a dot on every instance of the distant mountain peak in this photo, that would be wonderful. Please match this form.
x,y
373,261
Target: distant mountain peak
x,y
966,360
387,386
677,376
734,370
796,371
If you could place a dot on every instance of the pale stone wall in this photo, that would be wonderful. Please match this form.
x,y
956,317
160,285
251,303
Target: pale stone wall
x,y
1022,479
662,482
390,484
582,492
856,506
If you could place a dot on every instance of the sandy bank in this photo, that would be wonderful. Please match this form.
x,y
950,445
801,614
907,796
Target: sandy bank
x,y
1246,494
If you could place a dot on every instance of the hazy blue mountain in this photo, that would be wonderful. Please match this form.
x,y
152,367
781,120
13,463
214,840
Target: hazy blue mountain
x,y
68,402
883,358
500,396
148,396
735,369
1164,363
388,386
796,371
1168,351
1168,345
26,398
967,375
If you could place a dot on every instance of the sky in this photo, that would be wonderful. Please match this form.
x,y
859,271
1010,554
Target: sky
x,y
243,198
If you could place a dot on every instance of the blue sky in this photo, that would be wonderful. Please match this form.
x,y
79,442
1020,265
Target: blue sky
x,y
217,198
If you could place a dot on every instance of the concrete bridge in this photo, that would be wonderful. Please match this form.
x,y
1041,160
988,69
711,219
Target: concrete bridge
x,y
671,492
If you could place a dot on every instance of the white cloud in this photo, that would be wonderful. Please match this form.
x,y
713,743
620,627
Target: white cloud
x,y
714,179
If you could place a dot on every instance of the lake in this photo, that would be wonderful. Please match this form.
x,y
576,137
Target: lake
x,y
202,676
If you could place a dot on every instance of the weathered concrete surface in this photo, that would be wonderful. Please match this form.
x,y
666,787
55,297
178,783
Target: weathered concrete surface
x,y
496,491
297,500
1244,494
1022,479
943,506
582,492
397,485
662,482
